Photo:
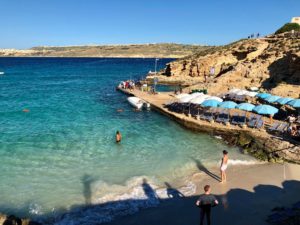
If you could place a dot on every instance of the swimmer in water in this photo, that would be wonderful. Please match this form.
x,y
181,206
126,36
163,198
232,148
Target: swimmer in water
x,y
118,137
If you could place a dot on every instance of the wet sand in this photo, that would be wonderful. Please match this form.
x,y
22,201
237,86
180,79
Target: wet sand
x,y
247,198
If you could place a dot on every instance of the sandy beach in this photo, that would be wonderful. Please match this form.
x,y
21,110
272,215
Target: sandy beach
x,y
247,198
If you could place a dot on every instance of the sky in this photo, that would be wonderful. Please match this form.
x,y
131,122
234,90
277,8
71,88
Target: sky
x,y
29,23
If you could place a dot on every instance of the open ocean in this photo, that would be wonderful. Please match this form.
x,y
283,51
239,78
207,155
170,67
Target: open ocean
x,y
62,152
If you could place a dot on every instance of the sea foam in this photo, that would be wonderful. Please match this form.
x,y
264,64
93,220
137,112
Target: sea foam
x,y
138,193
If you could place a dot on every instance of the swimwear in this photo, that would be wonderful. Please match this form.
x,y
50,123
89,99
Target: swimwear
x,y
223,167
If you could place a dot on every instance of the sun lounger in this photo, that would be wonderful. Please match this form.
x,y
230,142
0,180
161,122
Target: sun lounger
x,y
235,119
240,98
223,117
274,126
259,124
243,119
238,119
252,121
255,121
208,115
282,127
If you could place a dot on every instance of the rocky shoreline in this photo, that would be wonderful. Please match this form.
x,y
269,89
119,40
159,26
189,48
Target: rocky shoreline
x,y
263,147
13,220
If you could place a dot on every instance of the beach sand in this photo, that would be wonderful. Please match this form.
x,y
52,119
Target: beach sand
x,y
247,198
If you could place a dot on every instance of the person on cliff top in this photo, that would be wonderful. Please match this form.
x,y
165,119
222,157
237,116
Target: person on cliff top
x,y
223,167
205,202
118,137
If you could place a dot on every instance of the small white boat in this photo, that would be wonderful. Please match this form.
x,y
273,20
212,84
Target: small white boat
x,y
1,73
136,102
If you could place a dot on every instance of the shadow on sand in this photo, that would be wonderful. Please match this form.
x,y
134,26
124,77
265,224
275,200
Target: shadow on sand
x,y
237,206
203,169
172,192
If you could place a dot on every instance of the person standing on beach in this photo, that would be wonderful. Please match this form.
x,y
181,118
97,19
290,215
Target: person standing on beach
x,y
118,137
224,166
205,202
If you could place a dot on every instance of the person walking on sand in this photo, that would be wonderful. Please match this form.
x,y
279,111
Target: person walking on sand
x,y
118,137
205,202
224,166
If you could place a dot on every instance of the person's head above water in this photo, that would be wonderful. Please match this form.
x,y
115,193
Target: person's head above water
x,y
118,132
225,152
207,188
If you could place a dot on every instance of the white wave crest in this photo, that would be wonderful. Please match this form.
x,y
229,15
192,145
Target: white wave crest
x,y
118,200
235,162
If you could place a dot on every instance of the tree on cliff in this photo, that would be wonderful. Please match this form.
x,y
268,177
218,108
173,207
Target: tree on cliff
x,y
288,27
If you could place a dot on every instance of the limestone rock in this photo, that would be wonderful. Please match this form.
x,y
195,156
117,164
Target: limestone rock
x,y
271,63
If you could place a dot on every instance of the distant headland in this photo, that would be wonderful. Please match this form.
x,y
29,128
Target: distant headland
x,y
161,50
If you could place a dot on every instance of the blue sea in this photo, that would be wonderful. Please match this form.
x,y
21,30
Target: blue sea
x,y
58,118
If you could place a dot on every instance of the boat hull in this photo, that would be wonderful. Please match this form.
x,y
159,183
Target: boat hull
x,y
135,102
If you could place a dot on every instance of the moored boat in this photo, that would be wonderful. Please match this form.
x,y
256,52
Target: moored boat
x,y
136,102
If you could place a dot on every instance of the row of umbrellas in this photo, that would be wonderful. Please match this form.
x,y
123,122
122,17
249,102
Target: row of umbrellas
x,y
281,100
213,101
260,109
268,97
196,98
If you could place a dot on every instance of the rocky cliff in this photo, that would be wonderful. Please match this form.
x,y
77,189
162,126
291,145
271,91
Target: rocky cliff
x,y
271,63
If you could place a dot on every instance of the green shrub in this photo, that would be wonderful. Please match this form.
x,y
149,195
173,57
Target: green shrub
x,y
288,27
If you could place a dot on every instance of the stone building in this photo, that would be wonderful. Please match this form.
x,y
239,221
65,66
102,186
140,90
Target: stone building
x,y
296,20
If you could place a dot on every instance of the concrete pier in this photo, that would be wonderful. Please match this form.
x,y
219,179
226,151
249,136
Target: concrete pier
x,y
259,143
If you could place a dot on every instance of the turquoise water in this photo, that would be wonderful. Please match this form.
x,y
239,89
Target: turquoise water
x,y
64,144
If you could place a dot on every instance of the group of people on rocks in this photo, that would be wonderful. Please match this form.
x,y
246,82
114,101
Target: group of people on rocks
x,y
294,128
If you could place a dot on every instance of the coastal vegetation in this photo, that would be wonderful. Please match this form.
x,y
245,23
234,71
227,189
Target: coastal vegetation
x,y
288,27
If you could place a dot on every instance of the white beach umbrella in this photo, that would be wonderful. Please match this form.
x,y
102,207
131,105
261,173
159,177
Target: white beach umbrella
x,y
182,95
242,92
215,98
251,93
254,88
199,99
197,94
235,90
186,99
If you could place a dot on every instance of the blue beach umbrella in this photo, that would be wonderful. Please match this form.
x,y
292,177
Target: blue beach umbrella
x,y
263,95
283,101
265,110
210,103
227,105
272,98
294,103
245,106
